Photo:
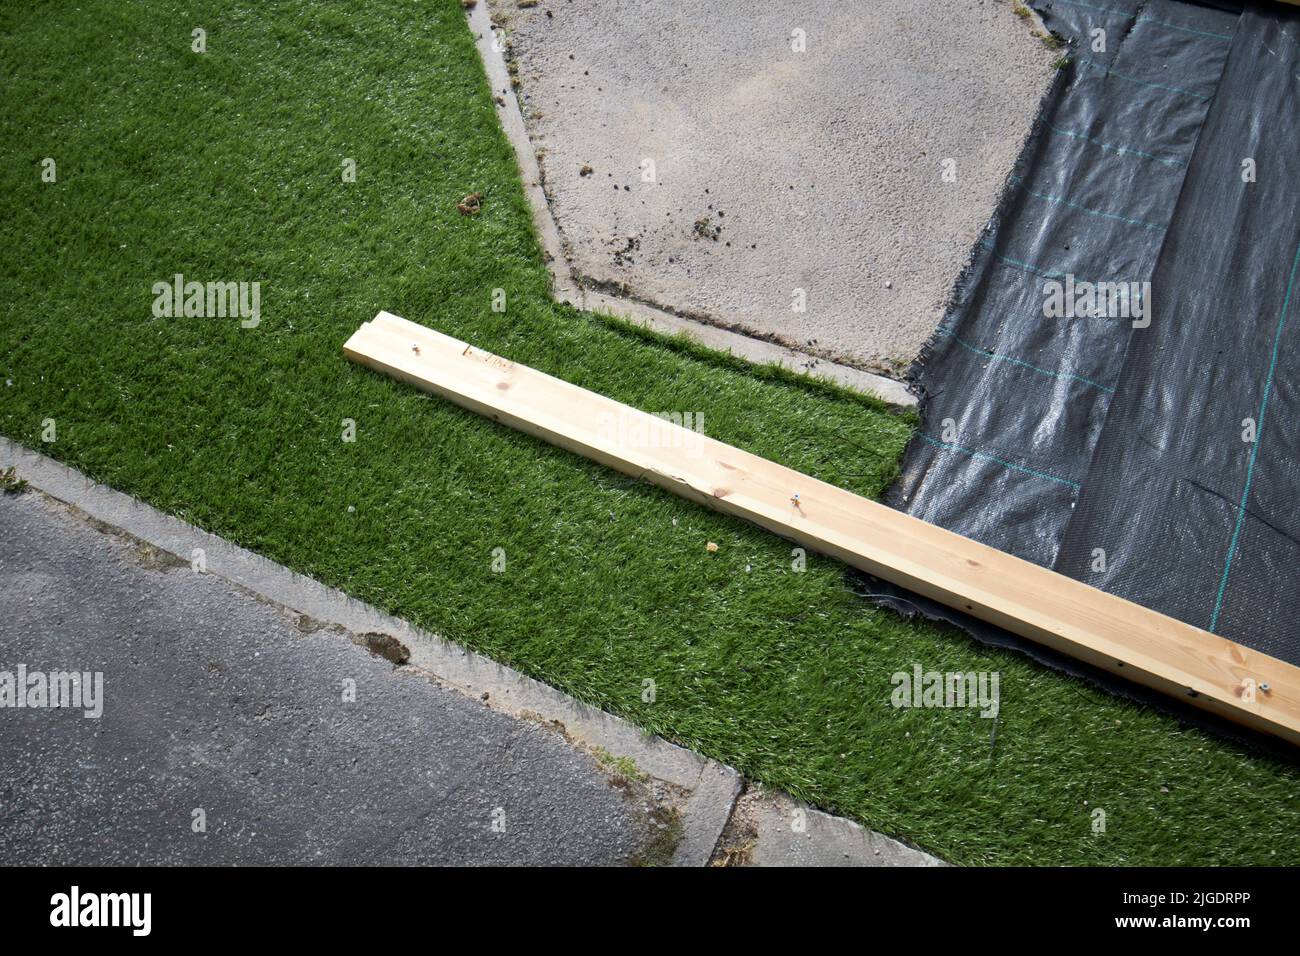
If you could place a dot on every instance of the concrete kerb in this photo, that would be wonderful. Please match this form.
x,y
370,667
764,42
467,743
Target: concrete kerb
x,y
566,289
769,828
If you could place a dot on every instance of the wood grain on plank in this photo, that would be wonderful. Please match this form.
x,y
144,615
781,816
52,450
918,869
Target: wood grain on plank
x,y
1119,636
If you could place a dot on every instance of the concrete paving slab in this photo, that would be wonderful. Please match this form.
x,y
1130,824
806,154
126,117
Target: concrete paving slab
x,y
735,163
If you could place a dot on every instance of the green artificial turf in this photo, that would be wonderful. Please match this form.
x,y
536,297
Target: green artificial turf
x,y
225,166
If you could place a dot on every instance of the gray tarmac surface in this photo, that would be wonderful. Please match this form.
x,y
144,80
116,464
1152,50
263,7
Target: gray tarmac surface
x,y
217,701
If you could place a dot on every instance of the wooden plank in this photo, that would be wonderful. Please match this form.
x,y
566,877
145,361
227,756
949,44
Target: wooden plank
x,y
1142,645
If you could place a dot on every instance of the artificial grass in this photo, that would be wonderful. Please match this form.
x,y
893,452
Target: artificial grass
x,y
225,166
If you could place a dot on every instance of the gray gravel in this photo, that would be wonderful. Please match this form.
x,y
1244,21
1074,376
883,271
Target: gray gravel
x,y
217,700
822,168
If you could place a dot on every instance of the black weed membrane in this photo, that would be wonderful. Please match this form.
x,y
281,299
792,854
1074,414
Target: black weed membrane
x,y
1114,392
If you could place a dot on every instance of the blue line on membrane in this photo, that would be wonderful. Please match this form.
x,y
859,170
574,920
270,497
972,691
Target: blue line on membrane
x,y
1000,461
1254,449
1015,361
